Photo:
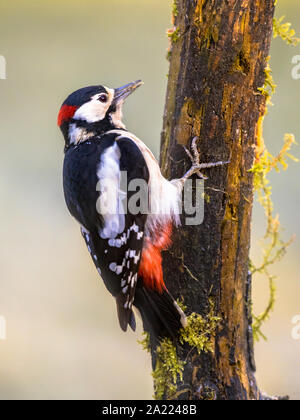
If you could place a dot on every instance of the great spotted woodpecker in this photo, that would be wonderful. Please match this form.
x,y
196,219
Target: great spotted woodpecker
x,y
125,247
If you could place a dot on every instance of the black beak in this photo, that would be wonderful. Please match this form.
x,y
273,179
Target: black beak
x,y
123,92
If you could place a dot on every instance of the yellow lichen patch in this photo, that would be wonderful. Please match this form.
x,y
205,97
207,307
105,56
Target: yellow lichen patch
x,y
208,28
269,87
199,12
274,247
284,30
260,144
245,32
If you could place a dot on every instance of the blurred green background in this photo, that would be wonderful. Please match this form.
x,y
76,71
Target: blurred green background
x,y
63,339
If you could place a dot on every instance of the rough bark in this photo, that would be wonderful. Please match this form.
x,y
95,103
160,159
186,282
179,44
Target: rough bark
x,y
218,56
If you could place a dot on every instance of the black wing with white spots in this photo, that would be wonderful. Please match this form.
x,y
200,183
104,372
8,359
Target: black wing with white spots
x,y
116,256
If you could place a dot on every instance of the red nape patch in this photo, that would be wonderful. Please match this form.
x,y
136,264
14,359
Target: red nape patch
x,y
151,263
66,113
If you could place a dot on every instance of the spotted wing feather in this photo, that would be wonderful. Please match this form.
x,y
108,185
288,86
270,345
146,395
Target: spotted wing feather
x,y
116,256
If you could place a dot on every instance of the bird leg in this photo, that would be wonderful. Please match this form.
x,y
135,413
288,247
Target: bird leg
x,y
196,165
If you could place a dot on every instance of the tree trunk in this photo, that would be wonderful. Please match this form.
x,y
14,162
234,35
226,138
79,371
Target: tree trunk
x,y
218,56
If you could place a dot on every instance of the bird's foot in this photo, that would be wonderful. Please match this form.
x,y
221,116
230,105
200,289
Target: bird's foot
x,y
196,165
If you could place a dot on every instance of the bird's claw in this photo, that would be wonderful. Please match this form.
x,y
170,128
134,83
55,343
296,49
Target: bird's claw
x,y
195,157
196,165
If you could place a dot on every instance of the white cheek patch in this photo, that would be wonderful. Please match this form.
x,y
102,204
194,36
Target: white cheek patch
x,y
94,110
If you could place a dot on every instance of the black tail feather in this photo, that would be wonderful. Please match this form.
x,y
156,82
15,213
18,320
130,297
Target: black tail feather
x,y
125,315
160,314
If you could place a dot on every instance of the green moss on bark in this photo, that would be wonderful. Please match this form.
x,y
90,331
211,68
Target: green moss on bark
x,y
199,334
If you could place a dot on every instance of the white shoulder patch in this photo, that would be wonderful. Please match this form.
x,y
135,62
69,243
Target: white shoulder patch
x,y
165,196
109,204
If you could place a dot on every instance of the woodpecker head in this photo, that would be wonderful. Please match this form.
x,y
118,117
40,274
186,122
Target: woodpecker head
x,y
92,111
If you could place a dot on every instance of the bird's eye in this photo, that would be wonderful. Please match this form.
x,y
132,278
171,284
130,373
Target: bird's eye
x,y
103,98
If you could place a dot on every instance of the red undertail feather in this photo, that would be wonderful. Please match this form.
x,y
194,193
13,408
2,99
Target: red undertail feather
x,y
151,262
